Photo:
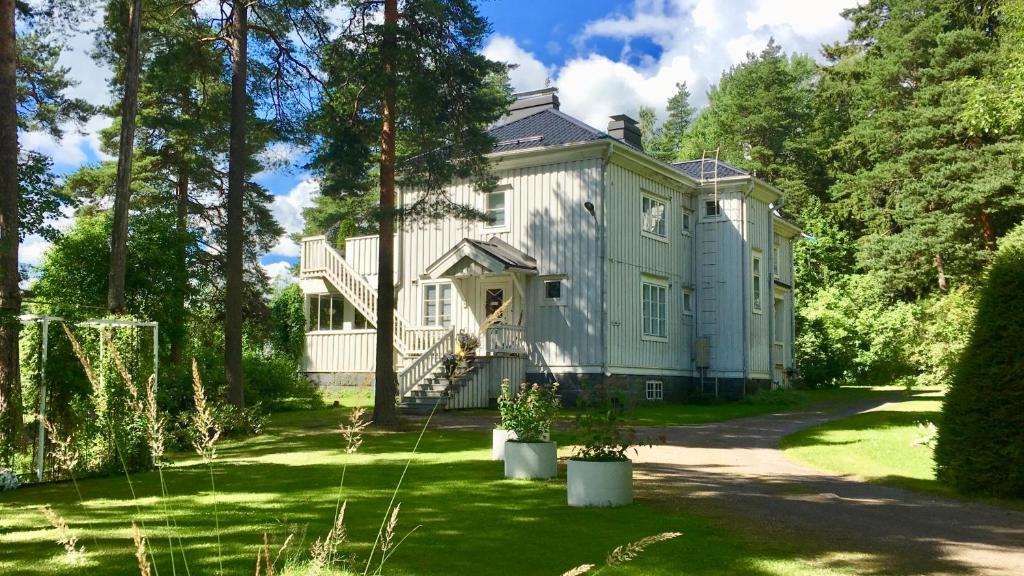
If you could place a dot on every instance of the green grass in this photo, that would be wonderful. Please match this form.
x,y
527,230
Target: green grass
x,y
469,519
879,446
755,405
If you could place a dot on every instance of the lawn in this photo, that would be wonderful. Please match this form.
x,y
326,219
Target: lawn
x,y
468,519
882,445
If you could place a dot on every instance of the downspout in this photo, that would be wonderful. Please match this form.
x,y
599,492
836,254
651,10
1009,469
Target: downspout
x,y
603,248
747,305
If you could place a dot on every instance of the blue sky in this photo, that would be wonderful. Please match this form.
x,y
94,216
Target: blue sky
x,y
605,57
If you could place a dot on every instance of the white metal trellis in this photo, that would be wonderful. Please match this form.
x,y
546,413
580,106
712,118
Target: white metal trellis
x,y
97,323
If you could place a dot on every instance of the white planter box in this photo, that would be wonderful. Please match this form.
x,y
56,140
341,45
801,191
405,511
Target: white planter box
x,y
530,460
498,439
600,483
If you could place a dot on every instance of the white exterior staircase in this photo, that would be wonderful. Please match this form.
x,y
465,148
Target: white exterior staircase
x,y
420,349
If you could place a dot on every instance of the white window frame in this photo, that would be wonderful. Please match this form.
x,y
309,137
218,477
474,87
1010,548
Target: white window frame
x,y
544,300
688,292
686,222
655,390
704,209
756,274
335,314
649,304
652,200
486,209
438,319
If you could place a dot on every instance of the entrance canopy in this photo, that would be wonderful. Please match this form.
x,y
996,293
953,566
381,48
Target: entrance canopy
x,y
479,258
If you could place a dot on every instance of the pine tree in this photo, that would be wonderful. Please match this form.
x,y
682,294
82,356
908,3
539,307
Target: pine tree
x,y
928,195
388,104
669,144
757,118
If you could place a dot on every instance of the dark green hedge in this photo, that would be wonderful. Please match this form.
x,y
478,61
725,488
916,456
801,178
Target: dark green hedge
x,y
981,439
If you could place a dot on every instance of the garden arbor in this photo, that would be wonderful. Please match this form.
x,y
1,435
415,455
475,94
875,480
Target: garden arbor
x,y
102,327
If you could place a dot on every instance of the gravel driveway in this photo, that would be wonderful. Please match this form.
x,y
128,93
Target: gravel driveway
x,y
734,470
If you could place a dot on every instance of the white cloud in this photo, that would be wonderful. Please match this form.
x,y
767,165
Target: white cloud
x,y
74,148
280,274
285,247
530,73
31,250
698,40
287,208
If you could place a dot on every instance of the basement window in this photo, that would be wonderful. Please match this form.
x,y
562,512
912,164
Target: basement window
x,y
655,390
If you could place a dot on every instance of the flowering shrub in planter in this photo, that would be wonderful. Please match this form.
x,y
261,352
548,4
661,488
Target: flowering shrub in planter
x,y
528,413
600,473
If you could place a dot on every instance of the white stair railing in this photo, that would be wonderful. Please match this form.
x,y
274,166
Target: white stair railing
x,y
423,365
320,259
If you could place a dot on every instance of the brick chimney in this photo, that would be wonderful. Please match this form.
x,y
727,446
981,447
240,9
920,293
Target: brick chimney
x,y
531,102
625,128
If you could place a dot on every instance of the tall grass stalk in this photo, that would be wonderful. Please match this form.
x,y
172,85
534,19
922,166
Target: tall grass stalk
x,y
394,496
206,432
101,415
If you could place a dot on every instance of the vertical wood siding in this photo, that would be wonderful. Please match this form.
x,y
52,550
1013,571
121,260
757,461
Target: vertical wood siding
x,y
547,220
336,351
720,295
632,255
760,237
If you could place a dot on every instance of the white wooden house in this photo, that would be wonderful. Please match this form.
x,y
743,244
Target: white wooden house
x,y
670,279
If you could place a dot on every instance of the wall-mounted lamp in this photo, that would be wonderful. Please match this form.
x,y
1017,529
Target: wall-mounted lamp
x,y
590,208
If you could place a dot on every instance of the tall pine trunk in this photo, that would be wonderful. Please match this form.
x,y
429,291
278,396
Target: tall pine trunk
x,y
940,272
126,147
11,419
181,231
236,193
387,382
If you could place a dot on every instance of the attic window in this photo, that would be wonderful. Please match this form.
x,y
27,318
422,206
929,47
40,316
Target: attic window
x,y
712,208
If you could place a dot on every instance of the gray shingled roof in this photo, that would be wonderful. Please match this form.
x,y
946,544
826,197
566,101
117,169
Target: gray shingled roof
x,y
552,127
693,168
545,128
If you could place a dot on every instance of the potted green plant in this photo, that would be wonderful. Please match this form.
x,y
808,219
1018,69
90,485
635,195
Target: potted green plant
x,y
501,433
528,412
600,473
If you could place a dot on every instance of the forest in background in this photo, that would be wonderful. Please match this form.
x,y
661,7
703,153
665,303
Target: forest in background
x,y
899,156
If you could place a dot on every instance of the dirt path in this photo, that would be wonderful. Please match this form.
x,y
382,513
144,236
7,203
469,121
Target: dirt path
x,y
734,470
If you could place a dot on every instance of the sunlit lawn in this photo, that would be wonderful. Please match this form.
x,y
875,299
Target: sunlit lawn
x,y
882,445
468,519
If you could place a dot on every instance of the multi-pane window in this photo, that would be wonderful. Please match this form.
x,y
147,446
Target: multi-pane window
x,y
652,216
654,298
437,304
494,207
775,260
655,390
687,222
712,208
755,280
326,312
687,301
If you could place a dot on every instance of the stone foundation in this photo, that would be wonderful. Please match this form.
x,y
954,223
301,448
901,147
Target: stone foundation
x,y
675,389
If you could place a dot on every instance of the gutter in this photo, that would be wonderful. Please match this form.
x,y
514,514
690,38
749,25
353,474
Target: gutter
x,y
747,302
603,248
